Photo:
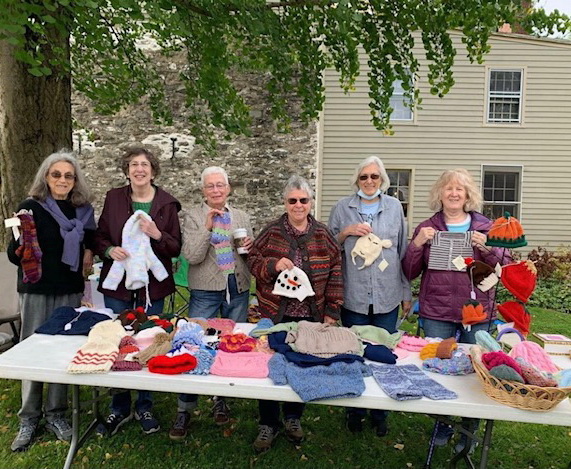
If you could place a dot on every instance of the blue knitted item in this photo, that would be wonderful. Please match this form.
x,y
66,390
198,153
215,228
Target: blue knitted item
x,y
380,353
80,323
204,360
459,364
337,380
188,333
262,327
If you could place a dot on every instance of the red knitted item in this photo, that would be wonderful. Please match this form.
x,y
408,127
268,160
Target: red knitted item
x,y
519,279
492,359
29,252
172,365
237,343
514,311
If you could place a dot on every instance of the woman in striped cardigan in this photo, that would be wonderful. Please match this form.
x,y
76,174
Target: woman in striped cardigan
x,y
295,239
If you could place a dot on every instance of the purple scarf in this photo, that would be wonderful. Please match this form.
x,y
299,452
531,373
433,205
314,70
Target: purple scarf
x,y
72,231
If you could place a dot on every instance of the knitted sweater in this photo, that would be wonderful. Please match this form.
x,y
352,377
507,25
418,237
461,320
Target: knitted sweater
x,y
321,258
57,278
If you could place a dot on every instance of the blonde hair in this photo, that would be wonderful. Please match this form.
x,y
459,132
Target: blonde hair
x,y
473,196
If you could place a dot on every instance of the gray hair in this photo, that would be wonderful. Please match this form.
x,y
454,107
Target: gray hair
x,y
385,181
79,194
213,170
298,183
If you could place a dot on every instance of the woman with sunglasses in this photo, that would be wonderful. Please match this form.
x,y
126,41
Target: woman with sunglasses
x,y
295,239
59,207
372,294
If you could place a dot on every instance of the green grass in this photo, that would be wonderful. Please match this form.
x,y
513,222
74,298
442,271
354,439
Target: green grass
x,y
327,444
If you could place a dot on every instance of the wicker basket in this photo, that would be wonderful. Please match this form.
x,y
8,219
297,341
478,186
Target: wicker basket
x,y
518,395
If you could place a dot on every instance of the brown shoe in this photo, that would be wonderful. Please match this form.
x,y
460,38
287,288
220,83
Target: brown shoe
x,y
265,438
293,431
179,428
220,411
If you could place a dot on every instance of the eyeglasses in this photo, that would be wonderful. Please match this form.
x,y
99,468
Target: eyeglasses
x,y
303,201
374,177
58,175
142,164
219,186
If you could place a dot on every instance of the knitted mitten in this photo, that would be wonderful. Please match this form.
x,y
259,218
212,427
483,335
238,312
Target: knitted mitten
x,y
29,252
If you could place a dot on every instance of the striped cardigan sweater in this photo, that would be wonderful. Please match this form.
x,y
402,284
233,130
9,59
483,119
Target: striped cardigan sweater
x,y
321,261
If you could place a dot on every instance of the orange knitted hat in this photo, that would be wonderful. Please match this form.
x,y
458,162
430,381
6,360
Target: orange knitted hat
x,y
506,232
473,313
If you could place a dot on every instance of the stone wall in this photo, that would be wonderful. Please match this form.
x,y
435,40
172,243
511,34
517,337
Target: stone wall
x,y
258,166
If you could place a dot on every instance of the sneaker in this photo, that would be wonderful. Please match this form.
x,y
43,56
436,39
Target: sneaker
x,y
293,431
179,428
60,428
220,411
354,422
443,434
25,435
112,424
149,424
381,428
265,438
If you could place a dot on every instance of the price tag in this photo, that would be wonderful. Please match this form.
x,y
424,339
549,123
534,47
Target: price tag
x,y
13,223
459,263
383,265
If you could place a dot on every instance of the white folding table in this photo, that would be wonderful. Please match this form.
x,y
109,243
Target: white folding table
x,y
45,358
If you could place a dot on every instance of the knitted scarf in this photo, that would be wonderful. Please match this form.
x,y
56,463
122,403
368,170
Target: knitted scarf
x,y
72,231
29,250
220,239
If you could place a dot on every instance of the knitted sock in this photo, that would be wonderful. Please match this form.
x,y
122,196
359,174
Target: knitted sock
x,y
220,239
428,387
29,252
395,383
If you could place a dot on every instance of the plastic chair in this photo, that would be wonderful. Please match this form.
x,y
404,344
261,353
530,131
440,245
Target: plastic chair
x,y
9,307
177,302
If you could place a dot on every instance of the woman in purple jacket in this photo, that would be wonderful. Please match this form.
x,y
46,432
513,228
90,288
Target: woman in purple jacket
x,y
443,290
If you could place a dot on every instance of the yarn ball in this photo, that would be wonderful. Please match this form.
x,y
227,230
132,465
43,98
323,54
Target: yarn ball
x,y
493,359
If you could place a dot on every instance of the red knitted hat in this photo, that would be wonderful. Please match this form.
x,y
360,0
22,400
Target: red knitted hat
x,y
172,365
514,311
492,359
519,279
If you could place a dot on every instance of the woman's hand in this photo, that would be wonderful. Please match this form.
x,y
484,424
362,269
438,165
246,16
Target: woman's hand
x,y
479,241
329,320
149,227
87,262
210,215
405,308
424,235
247,243
284,264
357,229
117,253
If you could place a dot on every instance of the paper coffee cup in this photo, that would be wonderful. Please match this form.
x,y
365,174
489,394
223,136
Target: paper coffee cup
x,y
239,236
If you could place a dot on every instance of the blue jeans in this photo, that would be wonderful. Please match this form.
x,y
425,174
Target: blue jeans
x,y
446,329
207,303
121,402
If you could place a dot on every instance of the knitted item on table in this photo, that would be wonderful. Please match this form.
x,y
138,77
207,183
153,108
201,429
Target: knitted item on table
x,y
506,232
563,378
408,382
225,326
401,353
507,373
189,333
262,345
446,348
378,335
262,327
486,341
534,354
29,250
380,353
237,343
101,349
160,346
323,340
532,375
412,343
66,320
492,359
428,351
460,364
520,279
131,319
514,311
202,322
125,361
172,365
155,321
221,240
241,364
204,361
145,337
337,380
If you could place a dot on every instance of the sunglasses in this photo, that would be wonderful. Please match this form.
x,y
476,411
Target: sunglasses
x,y
303,201
67,176
374,177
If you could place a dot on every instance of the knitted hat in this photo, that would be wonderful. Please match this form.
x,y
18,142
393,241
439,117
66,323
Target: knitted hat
x,y
145,337
506,232
486,341
157,321
412,343
506,373
428,351
459,364
204,361
241,364
160,346
131,319
481,274
237,343
519,279
124,361
534,376
188,333
380,353
172,365
514,311
225,326
293,283
473,313
369,248
202,322
262,327
492,359
446,347
534,354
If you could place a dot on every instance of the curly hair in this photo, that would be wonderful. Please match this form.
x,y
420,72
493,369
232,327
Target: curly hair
x,y
473,196
136,151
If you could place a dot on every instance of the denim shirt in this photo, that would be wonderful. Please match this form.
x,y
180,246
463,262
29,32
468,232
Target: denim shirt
x,y
384,290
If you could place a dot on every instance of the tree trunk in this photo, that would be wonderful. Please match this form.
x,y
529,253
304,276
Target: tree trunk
x,y
35,121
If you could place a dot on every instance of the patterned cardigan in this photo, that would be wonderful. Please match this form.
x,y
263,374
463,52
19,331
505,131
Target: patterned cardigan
x,y
321,261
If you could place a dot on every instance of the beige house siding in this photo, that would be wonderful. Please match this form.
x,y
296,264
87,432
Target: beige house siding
x,y
452,132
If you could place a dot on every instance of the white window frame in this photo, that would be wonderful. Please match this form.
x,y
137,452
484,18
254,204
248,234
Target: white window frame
x,y
411,170
504,169
494,94
401,98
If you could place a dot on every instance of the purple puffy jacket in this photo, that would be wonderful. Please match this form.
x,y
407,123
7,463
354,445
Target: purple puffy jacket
x,y
443,293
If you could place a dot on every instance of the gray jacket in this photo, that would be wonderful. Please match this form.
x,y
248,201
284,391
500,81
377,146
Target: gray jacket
x,y
384,290
203,271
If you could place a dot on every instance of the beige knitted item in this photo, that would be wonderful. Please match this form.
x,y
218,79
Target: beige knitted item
x,y
160,346
324,340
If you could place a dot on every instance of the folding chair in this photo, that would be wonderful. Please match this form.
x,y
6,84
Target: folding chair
x,y
9,307
177,302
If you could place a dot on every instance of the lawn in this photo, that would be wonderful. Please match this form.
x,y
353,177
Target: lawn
x,y
327,443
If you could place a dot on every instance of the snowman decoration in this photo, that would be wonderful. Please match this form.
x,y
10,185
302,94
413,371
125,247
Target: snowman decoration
x,y
293,283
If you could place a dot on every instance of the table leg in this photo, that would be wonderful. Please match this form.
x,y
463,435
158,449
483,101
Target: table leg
x,y
74,444
486,444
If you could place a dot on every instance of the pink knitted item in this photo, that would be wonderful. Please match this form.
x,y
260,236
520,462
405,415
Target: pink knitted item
x,y
241,364
532,375
225,326
492,359
145,337
534,354
400,352
412,343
